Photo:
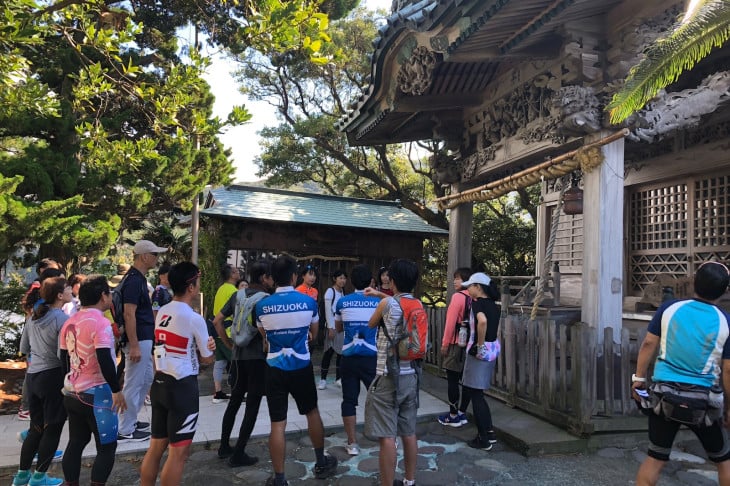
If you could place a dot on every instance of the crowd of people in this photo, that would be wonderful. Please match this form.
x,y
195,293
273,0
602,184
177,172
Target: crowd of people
x,y
261,334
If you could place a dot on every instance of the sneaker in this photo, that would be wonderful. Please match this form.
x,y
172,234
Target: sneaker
x,y
225,451
272,482
43,479
21,478
22,435
399,482
242,460
143,426
220,396
338,382
462,417
322,384
136,436
352,449
478,443
447,419
323,471
491,437
23,415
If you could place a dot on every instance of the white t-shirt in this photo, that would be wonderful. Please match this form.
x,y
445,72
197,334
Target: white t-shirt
x,y
183,332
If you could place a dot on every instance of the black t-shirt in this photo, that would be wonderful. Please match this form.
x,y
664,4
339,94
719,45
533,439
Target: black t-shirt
x,y
491,311
135,292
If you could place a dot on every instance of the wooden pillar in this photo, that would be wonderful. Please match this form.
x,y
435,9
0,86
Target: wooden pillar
x,y
461,226
603,230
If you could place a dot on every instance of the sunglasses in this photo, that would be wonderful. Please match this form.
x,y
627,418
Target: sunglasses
x,y
154,254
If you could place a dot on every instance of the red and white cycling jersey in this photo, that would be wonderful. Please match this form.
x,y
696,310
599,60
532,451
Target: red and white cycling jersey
x,y
183,333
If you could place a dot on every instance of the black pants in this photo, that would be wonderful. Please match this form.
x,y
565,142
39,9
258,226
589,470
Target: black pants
x,y
482,414
81,425
47,417
326,359
453,379
245,376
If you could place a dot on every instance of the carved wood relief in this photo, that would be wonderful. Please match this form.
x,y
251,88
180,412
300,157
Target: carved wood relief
x,y
415,75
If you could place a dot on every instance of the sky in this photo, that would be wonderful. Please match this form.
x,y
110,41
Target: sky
x,y
243,140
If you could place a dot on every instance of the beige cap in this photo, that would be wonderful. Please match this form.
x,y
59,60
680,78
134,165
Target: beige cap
x,y
146,246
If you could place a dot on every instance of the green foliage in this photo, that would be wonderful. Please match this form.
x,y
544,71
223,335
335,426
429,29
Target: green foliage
x,y
11,317
668,57
212,256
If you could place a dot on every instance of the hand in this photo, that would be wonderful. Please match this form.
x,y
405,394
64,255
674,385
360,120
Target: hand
x,y
119,405
444,350
134,353
331,333
211,344
637,385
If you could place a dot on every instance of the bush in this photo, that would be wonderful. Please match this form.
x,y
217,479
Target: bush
x,y
11,318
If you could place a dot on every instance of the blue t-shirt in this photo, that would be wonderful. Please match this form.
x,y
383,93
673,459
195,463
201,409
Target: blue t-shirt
x,y
286,316
134,291
354,311
693,342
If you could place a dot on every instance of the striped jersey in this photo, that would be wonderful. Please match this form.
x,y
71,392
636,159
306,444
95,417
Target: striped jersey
x,y
354,311
183,333
286,316
693,341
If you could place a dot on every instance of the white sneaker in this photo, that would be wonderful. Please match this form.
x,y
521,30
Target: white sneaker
x,y
338,383
352,449
322,384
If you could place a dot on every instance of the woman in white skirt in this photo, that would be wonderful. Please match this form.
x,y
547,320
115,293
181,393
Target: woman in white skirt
x,y
482,351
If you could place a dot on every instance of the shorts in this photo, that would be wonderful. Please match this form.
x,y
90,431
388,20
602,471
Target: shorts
x,y
662,433
175,408
299,383
45,401
222,353
355,369
388,415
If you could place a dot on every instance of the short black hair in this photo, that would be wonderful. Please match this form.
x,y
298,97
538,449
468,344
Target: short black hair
x,y
338,273
711,280
181,275
226,271
164,268
361,276
259,270
309,267
45,263
50,273
404,274
464,273
92,289
282,269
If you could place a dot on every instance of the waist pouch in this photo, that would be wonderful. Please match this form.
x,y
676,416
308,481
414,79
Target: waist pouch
x,y
687,404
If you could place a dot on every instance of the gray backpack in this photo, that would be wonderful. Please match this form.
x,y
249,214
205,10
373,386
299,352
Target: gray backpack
x,y
243,329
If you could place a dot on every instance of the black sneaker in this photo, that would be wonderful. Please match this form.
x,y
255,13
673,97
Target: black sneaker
x,y
399,482
491,437
225,452
220,396
143,426
323,471
272,482
136,436
242,460
478,443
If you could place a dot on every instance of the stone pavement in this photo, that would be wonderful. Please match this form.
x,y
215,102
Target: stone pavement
x,y
554,457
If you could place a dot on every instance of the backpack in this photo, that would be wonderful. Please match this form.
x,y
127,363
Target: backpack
x,y
465,316
117,308
243,329
413,337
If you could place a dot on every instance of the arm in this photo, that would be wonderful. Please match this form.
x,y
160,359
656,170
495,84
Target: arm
x,y
378,314
130,329
109,371
453,315
211,347
481,329
647,351
222,334
338,325
24,339
65,361
329,313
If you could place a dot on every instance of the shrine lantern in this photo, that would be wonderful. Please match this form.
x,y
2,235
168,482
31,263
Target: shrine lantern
x,y
573,199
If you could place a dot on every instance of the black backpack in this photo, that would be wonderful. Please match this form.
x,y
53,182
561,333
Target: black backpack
x,y
117,308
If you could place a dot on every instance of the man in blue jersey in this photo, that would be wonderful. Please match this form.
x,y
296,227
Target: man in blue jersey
x,y
691,337
288,320
359,351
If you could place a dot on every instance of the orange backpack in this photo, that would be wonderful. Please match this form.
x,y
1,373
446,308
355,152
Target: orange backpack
x,y
413,338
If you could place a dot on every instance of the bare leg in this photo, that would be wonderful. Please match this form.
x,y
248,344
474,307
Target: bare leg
x,y
172,471
277,446
151,462
316,428
410,455
649,471
723,473
349,423
387,459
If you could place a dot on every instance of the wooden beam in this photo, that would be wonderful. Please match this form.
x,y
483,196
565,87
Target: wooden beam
x,y
414,104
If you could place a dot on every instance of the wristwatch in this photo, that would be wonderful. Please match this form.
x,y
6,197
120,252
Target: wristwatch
x,y
639,379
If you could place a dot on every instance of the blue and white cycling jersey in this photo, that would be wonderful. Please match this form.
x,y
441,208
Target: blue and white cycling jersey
x,y
354,311
693,340
286,316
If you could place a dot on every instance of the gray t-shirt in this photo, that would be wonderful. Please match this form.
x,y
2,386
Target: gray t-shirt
x,y
40,341
255,349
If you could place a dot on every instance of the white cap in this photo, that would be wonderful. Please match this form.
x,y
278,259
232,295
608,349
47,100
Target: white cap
x,y
477,278
146,246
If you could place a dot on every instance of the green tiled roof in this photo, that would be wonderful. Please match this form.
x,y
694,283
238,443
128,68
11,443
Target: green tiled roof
x,y
258,203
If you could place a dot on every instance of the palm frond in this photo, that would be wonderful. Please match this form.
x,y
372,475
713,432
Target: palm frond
x,y
667,58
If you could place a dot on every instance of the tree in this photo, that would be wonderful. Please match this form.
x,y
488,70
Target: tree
x,y
705,27
310,98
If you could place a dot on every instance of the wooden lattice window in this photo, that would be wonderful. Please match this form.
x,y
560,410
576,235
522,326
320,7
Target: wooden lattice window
x,y
711,202
568,246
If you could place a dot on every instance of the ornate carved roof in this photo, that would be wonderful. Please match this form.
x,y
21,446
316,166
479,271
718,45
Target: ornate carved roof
x,y
434,58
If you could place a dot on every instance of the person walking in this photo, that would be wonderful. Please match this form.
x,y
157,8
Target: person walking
x,y
333,338
481,354
453,349
181,335
692,366
92,396
288,320
139,326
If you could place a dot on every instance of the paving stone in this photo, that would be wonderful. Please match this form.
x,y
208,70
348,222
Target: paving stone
x,y
685,457
695,479
610,452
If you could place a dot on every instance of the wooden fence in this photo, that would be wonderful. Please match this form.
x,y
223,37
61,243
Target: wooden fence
x,y
558,372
